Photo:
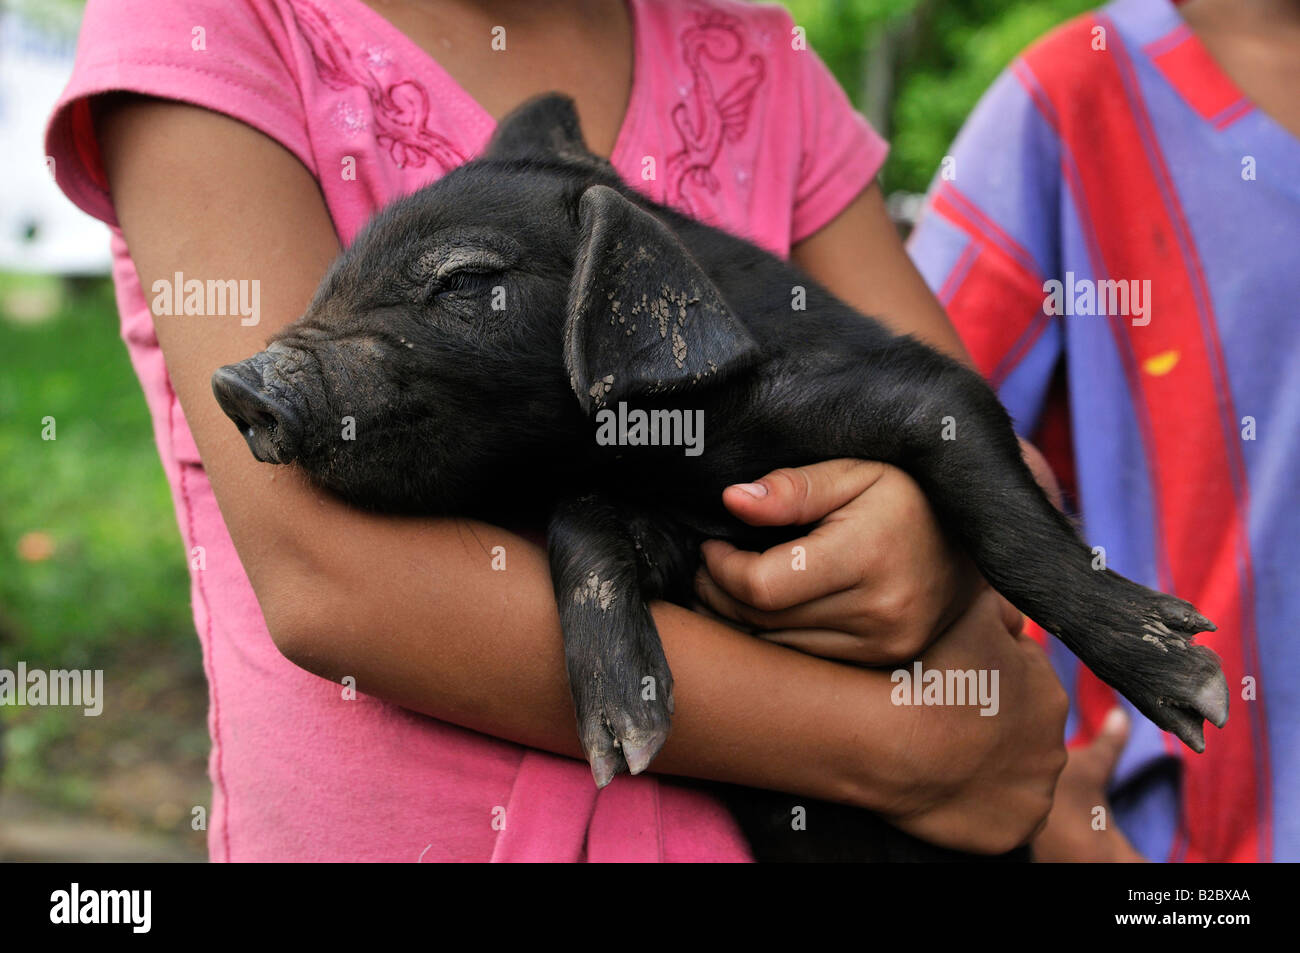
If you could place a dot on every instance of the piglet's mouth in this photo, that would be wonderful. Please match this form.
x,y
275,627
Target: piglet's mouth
x,y
249,395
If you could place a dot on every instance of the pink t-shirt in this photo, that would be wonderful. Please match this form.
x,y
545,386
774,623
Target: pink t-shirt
x,y
745,131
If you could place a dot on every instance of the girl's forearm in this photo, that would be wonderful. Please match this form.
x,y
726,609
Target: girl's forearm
x,y
416,613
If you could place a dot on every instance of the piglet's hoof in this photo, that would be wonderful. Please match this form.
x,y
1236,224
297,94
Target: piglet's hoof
x,y
623,730
1176,683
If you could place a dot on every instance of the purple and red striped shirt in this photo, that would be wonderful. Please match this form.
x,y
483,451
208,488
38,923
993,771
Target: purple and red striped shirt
x,y
1116,158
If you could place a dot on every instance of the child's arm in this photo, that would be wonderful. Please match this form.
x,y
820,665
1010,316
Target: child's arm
x,y
413,610
1070,834
859,258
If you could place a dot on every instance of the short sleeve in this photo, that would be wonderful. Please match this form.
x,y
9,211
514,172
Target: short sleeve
x,y
841,154
989,238
229,56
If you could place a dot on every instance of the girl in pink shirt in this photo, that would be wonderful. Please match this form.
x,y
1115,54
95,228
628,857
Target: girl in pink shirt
x,y
727,117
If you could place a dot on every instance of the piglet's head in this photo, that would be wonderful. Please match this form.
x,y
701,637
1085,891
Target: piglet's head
x,y
448,343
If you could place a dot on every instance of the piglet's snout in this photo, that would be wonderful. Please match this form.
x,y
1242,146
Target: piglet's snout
x,y
253,394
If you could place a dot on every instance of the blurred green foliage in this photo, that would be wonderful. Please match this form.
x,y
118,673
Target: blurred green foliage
x,y
63,16
92,570
946,54
101,561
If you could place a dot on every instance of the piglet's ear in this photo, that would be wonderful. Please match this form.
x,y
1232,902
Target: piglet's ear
x,y
544,125
643,317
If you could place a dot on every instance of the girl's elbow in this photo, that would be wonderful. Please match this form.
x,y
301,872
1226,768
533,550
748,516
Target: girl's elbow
x,y
302,625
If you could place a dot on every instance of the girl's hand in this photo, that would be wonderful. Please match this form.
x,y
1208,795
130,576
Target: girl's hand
x,y
874,582
981,777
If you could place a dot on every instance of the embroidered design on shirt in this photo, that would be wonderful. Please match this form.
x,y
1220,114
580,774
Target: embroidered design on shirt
x,y
400,110
706,119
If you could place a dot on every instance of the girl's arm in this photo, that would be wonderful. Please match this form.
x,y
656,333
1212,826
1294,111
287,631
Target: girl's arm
x,y
412,609
859,258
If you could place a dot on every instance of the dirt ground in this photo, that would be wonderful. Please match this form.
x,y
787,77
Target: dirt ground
x,y
122,786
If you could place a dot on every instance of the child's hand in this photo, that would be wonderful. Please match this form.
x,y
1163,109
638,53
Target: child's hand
x,y
874,583
972,782
1069,834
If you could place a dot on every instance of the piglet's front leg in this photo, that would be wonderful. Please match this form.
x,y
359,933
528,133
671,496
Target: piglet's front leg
x,y
622,688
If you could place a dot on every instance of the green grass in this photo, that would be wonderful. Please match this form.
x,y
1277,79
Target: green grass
x,y
108,589
116,575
